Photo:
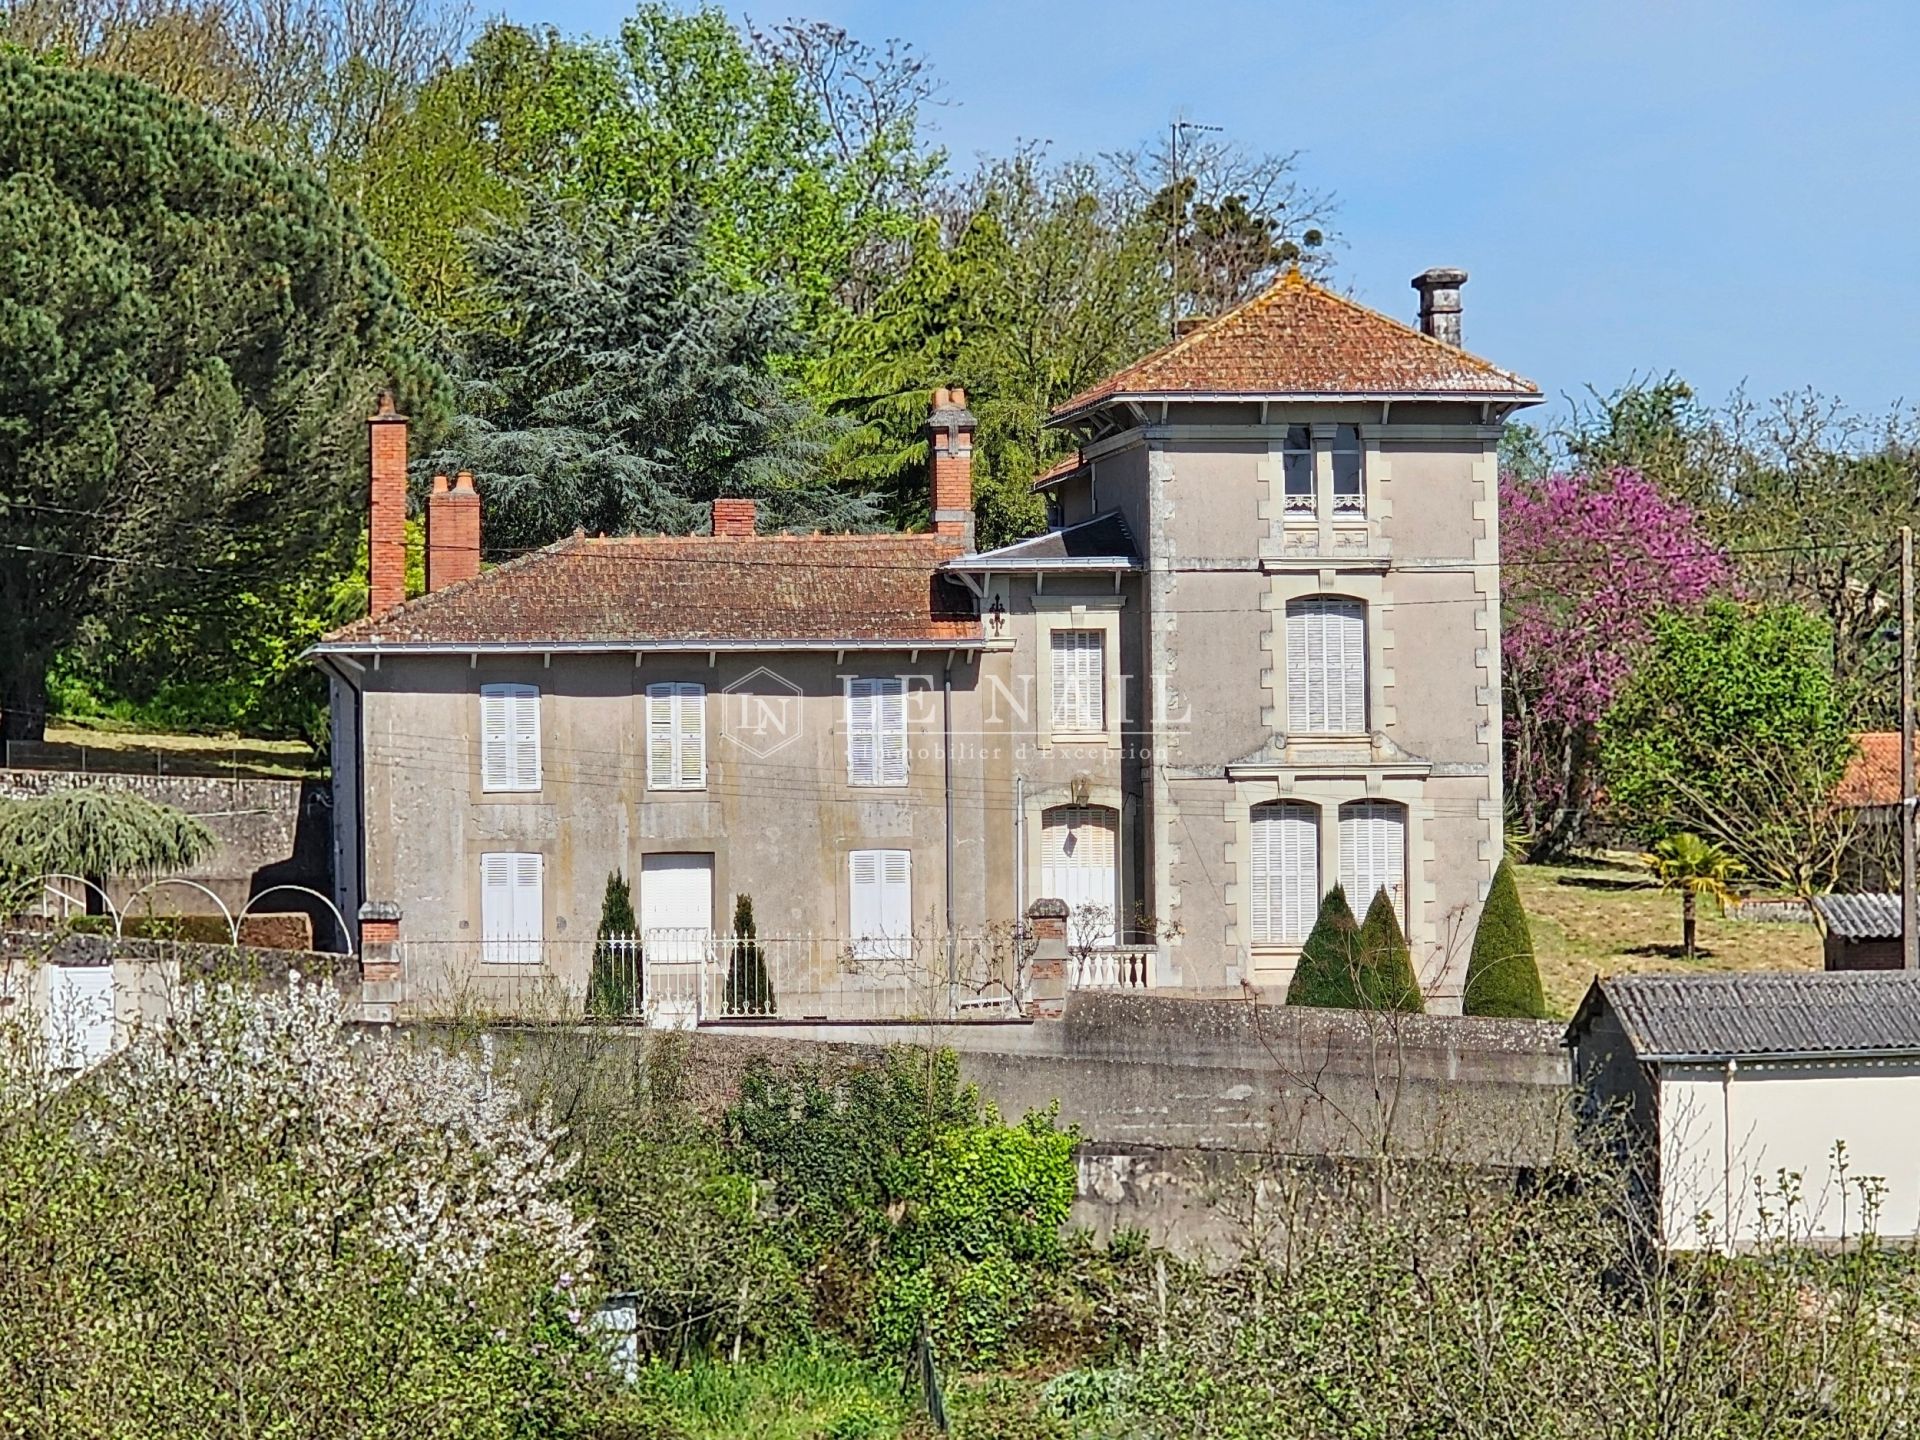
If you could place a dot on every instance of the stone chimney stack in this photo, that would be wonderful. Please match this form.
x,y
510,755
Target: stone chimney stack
x,y
950,444
453,531
387,508
735,519
1440,303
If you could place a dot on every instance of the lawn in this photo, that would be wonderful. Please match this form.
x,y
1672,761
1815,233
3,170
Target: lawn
x,y
1601,918
72,746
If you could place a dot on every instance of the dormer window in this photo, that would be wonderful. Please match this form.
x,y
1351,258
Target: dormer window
x,y
1297,467
1349,475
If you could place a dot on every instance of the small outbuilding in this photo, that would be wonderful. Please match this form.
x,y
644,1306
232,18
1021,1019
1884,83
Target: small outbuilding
x,y
1757,1107
1862,931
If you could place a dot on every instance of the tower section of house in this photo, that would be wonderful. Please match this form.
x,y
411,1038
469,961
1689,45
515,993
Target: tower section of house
x,y
1309,489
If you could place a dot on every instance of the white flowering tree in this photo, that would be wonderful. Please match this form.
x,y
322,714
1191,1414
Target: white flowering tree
x,y
252,1221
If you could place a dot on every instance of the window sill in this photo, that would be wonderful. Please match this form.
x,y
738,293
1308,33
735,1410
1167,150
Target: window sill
x,y
677,789
513,790
1080,737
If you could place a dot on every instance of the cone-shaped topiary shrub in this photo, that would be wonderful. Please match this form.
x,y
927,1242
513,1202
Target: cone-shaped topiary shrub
x,y
749,992
1387,981
1503,979
1329,971
613,980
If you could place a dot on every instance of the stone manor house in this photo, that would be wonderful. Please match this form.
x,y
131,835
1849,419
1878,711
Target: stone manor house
x,y
1255,653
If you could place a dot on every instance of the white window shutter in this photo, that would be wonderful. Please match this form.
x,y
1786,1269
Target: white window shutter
x,y
692,703
1373,853
529,919
496,907
1326,640
676,736
1079,680
893,732
526,738
862,766
509,737
512,909
863,900
880,903
494,766
660,737
877,731
1285,872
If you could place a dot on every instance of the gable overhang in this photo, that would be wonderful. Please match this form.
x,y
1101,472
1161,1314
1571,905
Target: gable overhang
x,y
1505,399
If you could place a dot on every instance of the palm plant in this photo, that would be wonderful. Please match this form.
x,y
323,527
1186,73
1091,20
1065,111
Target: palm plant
x,y
1695,867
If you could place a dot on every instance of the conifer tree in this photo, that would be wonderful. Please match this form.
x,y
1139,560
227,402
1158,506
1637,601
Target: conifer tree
x,y
1387,981
1328,974
749,991
1503,978
614,986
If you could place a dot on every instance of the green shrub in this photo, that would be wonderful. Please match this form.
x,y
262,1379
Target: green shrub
x,y
614,978
1503,978
1387,981
908,1202
1328,974
749,991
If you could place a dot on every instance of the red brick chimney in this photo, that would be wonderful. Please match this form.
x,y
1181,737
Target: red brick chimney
x,y
453,531
734,518
950,444
387,508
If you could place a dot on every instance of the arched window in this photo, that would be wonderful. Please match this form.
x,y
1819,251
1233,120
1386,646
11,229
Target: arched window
x,y
1326,666
1373,853
1285,871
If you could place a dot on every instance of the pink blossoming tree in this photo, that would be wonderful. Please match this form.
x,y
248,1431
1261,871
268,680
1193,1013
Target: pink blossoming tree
x,y
1587,562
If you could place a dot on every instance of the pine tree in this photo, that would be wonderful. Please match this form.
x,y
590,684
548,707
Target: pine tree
x,y
749,991
1328,974
1387,981
1503,979
614,987
619,384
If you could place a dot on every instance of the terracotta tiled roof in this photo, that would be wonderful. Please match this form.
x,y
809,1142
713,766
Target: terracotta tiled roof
x,y
1873,775
692,589
1058,471
1296,338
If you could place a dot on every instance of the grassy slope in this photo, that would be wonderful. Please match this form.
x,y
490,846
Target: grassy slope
x,y
74,747
1602,918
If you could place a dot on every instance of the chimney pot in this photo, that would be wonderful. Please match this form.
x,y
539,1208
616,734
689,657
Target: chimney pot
x,y
958,398
1440,303
440,484
464,481
940,398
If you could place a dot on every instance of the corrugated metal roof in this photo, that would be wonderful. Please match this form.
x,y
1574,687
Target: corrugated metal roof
x,y
1735,1016
1860,917
1105,537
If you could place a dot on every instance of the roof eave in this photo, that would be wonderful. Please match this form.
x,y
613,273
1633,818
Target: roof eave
x,y
625,647
982,564
1511,398
1721,1057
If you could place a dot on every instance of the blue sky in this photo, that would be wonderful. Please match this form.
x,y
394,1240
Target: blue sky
x,y
1724,190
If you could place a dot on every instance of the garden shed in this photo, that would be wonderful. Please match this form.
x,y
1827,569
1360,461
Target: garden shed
x,y
1759,1107
1862,931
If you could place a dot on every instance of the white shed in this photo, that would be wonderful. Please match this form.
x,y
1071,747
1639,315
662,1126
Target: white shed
x,y
1760,1106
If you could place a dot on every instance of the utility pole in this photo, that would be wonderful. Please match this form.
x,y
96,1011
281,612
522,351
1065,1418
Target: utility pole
x,y
1909,902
